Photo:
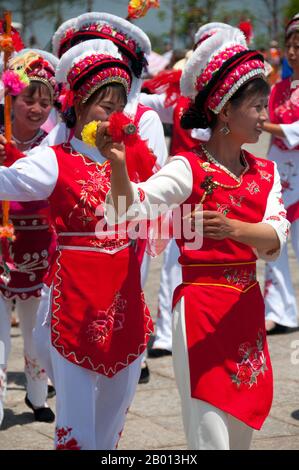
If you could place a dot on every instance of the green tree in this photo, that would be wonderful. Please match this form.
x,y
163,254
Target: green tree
x,y
186,17
291,9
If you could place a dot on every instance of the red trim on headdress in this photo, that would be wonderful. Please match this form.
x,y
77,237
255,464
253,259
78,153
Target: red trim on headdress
x,y
236,62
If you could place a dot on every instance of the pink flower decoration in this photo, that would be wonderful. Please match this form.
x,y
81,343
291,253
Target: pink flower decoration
x,y
120,36
12,82
132,44
106,30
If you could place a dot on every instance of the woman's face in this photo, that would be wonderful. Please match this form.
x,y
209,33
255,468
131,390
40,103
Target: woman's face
x,y
245,119
32,110
100,108
292,50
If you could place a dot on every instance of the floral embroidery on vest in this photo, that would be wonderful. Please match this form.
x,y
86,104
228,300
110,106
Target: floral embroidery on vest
x,y
107,320
252,364
259,163
265,175
236,200
64,439
223,208
253,187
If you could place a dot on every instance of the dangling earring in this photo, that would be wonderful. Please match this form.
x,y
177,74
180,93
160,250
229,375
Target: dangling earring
x,y
225,129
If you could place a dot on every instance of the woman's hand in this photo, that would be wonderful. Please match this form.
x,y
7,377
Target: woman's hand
x,y
113,151
3,141
214,224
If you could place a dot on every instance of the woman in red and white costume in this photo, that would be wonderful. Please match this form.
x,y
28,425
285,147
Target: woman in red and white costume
x,y
34,246
99,324
280,298
220,353
134,45
170,106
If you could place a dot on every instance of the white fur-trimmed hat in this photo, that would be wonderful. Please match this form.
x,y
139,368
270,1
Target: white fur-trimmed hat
x,y
88,66
219,67
207,30
131,40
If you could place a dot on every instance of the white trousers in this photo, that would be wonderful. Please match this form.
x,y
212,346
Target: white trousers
x,y
35,374
170,278
280,298
91,406
206,427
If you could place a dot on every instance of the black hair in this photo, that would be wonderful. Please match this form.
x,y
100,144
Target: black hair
x,y
195,117
291,33
37,86
69,116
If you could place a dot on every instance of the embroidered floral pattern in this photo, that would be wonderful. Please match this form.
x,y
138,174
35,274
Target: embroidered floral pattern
x,y
93,192
253,363
259,163
287,173
33,369
240,278
107,321
32,262
141,194
265,175
253,187
64,439
236,200
223,208
273,217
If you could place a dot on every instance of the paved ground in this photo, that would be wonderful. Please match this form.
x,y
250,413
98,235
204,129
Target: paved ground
x,y
154,421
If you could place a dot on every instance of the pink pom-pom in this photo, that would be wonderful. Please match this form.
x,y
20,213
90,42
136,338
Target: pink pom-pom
x,y
12,82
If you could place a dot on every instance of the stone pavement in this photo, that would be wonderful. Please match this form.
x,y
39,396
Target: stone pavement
x,y
154,420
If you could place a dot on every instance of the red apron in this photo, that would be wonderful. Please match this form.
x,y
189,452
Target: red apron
x,y
224,311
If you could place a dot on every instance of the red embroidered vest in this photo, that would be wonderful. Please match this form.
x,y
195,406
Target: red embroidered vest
x,y
98,321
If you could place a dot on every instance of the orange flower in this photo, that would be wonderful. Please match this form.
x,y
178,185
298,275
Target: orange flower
x,y
7,231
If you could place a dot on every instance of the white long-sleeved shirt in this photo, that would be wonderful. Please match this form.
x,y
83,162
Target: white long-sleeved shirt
x,y
35,176
172,185
291,132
